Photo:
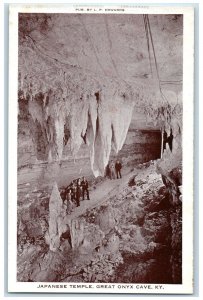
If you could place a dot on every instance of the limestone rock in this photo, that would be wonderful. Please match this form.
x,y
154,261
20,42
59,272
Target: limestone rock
x,y
85,237
93,237
76,232
132,238
105,219
55,223
65,246
113,244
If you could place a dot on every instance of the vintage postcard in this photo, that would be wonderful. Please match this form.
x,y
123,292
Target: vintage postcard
x,y
100,149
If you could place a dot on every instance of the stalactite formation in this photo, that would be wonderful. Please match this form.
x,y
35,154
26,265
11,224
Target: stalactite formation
x,y
99,112
72,103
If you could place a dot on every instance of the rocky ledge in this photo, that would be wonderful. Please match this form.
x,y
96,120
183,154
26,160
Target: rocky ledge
x,y
131,235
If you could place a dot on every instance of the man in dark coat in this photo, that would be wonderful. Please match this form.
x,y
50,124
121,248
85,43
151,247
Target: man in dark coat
x,y
63,194
73,192
78,192
118,168
85,186
108,171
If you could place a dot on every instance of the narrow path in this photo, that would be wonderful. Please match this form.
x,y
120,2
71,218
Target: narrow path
x,y
103,191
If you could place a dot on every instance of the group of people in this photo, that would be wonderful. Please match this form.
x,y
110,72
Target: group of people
x,y
74,193
78,189
113,169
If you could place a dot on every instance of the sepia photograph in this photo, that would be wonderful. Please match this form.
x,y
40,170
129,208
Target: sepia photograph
x,y
99,124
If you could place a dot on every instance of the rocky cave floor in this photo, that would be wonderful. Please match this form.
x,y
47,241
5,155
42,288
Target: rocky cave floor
x,y
131,234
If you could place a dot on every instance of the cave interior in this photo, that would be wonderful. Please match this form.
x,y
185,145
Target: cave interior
x,y
92,89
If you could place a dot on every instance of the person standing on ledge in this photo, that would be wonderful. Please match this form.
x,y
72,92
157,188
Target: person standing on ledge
x,y
69,204
84,185
118,167
112,170
78,192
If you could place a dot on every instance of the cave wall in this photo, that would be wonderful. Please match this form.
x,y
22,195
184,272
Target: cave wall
x,y
139,146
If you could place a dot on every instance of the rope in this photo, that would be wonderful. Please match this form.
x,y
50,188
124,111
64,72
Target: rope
x,y
150,33
147,37
154,54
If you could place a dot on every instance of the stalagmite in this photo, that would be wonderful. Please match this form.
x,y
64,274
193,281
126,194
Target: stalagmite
x,y
55,212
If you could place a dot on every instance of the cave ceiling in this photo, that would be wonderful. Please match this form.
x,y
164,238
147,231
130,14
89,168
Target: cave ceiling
x,y
95,50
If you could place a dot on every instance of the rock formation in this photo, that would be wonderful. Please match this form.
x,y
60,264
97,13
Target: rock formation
x,y
56,213
61,87
132,236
